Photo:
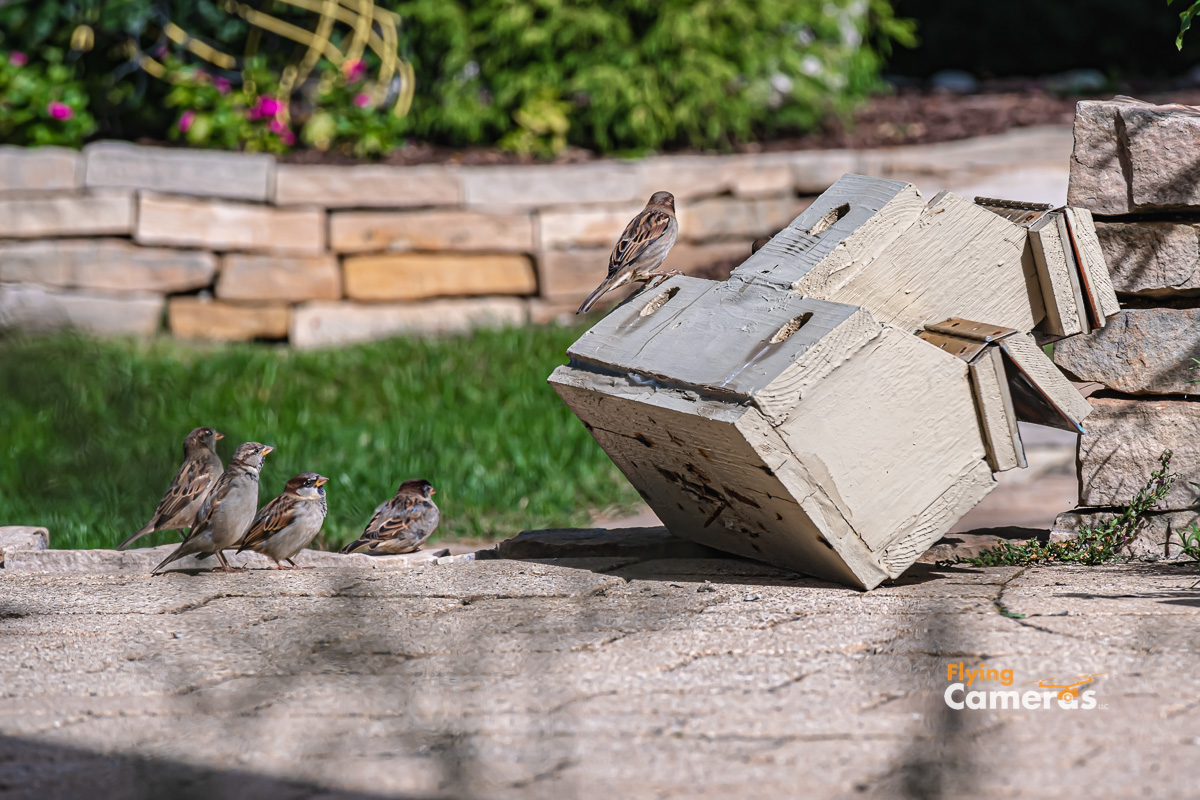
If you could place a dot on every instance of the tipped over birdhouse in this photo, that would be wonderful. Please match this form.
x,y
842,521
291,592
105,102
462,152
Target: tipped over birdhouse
x,y
847,395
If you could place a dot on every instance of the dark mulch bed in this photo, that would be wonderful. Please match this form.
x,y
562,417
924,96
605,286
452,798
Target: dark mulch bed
x,y
906,116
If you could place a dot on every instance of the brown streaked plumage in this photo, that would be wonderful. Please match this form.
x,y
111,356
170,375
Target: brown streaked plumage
x,y
189,488
642,248
402,524
287,524
229,509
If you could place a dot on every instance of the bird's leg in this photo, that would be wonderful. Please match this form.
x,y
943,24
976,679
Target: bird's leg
x,y
656,278
225,564
294,566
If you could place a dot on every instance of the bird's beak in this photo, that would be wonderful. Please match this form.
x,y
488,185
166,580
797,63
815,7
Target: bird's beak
x,y
267,449
321,481
432,490
218,435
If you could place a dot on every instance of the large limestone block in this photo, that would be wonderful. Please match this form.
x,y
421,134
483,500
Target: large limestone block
x,y
177,170
220,225
1152,259
22,538
279,278
735,217
612,182
1156,537
37,215
213,320
38,168
1140,351
323,324
418,276
376,231
367,186
1124,440
108,264
1132,157
575,272
36,309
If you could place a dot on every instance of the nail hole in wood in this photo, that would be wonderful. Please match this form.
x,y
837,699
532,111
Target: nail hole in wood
x,y
826,222
791,327
658,302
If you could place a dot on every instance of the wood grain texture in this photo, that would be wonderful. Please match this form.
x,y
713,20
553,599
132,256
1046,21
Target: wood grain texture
x,y
1050,381
876,211
888,432
707,483
1091,261
957,260
997,418
1054,273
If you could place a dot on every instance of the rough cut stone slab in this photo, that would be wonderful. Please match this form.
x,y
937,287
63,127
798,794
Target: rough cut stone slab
x,y
420,275
1041,145
145,559
96,213
367,186
22,537
375,231
1121,448
220,225
1139,351
323,324
203,173
279,278
38,168
641,543
1152,259
608,182
690,177
575,272
725,217
1157,537
1132,157
814,171
37,309
109,264
201,318
585,227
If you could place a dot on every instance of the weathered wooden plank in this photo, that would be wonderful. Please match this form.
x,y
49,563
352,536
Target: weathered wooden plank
x,y
920,531
1092,263
1054,274
998,419
1048,383
842,231
738,338
888,432
957,260
704,480
969,329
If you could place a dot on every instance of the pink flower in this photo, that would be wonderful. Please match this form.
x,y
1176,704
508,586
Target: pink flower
x,y
362,100
185,120
281,130
354,70
17,58
265,107
59,110
223,86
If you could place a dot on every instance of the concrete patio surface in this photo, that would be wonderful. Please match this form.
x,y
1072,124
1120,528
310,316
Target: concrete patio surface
x,y
642,667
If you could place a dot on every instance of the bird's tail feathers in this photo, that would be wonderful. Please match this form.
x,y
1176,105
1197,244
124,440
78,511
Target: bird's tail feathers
x,y
594,297
146,529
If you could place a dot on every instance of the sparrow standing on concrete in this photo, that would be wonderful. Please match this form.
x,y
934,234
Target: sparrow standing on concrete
x,y
288,523
229,509
402,524
641,249
200,469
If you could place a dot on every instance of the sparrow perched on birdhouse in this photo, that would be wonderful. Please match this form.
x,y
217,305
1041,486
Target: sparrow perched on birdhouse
x,y
642,248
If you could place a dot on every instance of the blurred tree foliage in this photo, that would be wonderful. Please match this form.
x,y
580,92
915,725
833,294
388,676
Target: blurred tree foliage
x,y
531,75
1121,38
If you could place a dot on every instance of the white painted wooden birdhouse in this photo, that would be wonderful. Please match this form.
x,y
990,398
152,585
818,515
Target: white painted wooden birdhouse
x,y
848,394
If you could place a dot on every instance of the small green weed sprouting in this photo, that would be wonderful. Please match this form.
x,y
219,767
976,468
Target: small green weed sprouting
x,y
1189,539
1096,544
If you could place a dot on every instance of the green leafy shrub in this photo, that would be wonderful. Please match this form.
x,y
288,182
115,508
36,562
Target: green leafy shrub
x,y
349,116
42,103
639,74
212,112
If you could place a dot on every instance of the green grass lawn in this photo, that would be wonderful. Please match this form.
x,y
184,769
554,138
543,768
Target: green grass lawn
x,y
91,431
